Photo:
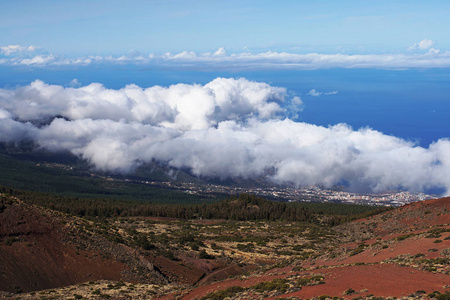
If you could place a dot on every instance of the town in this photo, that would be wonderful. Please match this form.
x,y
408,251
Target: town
x,y
302,194
337,194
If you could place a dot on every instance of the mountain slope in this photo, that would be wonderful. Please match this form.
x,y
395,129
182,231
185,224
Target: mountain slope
x,y
42,249
404,252
400,253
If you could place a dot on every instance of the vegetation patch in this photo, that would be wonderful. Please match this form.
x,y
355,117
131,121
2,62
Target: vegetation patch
x,y
222,294
436,232
314,280
358,249
404,237
280,285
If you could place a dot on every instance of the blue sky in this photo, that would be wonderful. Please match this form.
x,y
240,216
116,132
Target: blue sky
x,y
317,92
76,28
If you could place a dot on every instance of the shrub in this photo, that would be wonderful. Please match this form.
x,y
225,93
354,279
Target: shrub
x,y
303,281
433,294
349,292
170,255
436,261
436,233
445,296
143,242
246,247
316,279
358,249
280,285
298,247
10,241
222,294
404,237
204,255
215,246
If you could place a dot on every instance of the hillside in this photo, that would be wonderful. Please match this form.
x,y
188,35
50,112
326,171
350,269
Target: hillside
x,y
71,177
401,253
47,254
42,249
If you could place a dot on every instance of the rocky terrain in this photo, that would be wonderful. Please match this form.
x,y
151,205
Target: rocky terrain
x,y
43,249
402,253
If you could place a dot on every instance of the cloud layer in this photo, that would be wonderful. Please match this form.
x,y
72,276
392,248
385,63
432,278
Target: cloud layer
x,y
226,128
11,49
422,45
420,55
316,93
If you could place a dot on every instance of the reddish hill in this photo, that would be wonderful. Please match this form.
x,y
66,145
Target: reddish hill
x,y
421,229
405,252
402,252
39,250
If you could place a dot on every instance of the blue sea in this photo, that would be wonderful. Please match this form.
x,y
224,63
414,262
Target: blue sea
x,y
410,104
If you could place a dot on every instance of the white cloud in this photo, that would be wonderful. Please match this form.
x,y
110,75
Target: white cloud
x,y
422,45
294,107
38,60
13,131
74,83
10,49
226,128
331,93
183,55
4,114
433,51
221,60
316,93
220,51
426,44
180,106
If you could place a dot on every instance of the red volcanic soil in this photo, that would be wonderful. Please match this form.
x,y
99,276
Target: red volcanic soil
x,y
441,202
435,208
414,216
412,221
375,276
227,272
381,280
193,271
178,271
34,257
223,285
412,246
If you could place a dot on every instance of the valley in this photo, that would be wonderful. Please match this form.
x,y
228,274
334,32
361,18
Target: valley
x,y
404,252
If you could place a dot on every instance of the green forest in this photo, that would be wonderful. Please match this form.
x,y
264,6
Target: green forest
x,y
244,207
78,183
